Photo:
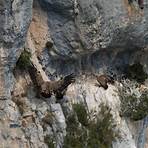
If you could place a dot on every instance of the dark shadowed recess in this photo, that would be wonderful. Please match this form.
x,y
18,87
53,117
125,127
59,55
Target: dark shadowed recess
x,y
62,8
112,61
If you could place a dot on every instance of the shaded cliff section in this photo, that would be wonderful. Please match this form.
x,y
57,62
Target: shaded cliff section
x,y
88,36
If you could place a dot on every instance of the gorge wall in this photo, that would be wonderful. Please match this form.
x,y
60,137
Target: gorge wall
x,y
84,37
97,34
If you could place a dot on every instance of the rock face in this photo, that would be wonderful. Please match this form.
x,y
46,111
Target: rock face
x,y
15,18
83,36
88,35
78,26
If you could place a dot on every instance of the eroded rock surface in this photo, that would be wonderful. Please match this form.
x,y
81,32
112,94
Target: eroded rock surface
x,y
87,36
78,26
84,36
15,18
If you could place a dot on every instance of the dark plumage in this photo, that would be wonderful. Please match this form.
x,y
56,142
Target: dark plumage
x,y
104,79
47,88
59,87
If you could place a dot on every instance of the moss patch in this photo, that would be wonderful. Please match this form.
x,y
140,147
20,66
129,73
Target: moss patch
x,y
24,61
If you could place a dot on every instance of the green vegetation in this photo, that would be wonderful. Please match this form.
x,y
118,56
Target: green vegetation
x,y
136,72
98,132
24,62
134,101
136,108
102,132
76,135
81,113
49,141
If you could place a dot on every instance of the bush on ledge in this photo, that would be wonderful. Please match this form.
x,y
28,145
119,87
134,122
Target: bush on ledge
x,y
83,132
136,72
136,108
24,61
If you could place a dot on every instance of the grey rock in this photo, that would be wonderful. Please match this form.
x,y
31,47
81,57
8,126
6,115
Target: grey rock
x,y
33,106
59,126
99,28
98,25
87,36
15,17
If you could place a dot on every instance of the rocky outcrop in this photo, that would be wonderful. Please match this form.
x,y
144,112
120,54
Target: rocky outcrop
x,y
67,36
80,27
88,36
15,18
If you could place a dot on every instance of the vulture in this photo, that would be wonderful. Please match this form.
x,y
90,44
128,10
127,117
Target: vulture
x,y
47,88
104,79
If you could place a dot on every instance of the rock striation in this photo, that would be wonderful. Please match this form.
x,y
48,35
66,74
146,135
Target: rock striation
x,y
66,36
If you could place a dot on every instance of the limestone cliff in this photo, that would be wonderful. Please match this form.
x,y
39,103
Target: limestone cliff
x,y
67,36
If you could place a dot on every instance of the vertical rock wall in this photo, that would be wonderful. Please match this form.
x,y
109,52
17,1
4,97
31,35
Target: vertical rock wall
x,y
85,36
15,18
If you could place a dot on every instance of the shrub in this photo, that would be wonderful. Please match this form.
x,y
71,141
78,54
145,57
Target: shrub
x,y
99,132
24,62
49,141
81,113
102,131
75,137
136,72
136,108
72,122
